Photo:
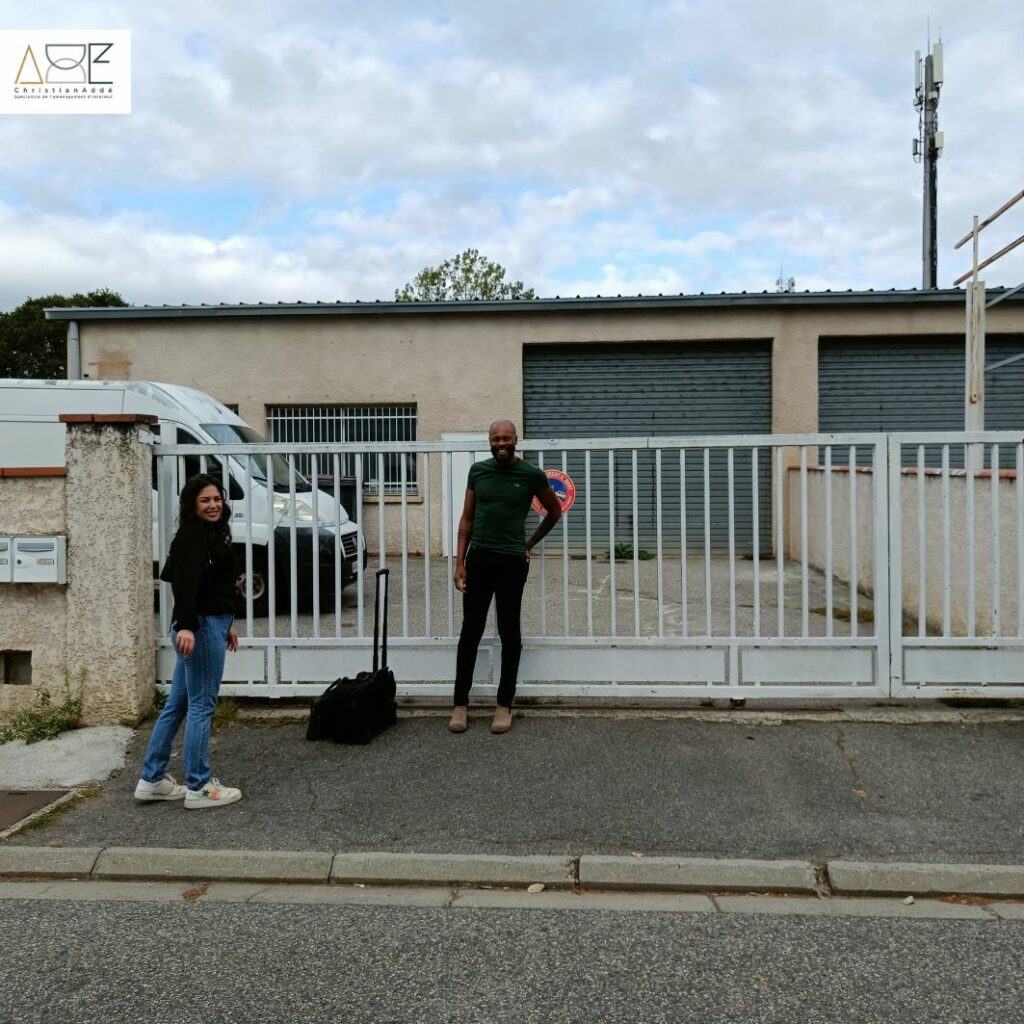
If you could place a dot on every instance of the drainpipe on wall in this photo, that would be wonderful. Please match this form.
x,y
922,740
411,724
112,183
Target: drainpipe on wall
x,y
74,352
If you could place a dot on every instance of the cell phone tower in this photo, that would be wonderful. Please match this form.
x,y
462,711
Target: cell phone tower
x,y
927,147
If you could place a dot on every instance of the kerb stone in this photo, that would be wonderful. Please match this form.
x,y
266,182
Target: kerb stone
x,y
451,869
696,874
869,878
215,865
48,861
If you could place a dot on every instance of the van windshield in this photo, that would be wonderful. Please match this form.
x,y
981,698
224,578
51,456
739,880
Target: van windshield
x,y
230,433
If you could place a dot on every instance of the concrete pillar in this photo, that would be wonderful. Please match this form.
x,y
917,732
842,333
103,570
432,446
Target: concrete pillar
x,y
110,635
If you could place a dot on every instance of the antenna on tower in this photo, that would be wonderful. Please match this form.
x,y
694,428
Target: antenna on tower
x,y
783,283
928,78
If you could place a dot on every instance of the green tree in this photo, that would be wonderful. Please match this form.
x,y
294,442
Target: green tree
x,y
466,276
32,346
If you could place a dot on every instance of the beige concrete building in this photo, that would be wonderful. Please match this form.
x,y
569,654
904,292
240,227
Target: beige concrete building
x,y
460,364
782,363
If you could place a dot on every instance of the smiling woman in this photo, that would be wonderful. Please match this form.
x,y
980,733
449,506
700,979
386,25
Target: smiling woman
x,y
201,571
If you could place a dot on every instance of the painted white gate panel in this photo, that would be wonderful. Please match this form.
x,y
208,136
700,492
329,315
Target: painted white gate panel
x,y
852,667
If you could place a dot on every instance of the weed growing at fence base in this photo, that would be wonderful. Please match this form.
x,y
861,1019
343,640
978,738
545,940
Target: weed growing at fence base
x,y
225,713
45,720
840,612
625,551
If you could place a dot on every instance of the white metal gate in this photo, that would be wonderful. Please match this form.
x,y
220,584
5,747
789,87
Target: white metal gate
x,y
813,607
956,524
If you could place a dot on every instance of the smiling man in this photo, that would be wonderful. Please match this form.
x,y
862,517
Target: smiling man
x,y
493,560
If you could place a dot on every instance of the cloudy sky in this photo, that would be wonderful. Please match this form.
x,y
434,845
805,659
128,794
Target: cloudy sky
x,y
329,149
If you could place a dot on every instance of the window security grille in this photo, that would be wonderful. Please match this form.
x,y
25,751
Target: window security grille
x,y
350,424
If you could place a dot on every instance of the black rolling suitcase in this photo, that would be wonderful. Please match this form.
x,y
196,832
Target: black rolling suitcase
x,y
355,710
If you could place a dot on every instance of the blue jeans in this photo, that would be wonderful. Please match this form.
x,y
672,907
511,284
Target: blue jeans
x,y
192,698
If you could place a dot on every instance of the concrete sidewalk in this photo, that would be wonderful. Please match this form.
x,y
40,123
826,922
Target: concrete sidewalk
x,y
653,795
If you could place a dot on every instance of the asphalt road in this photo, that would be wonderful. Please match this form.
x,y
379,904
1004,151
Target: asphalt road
x,y
184,962
595,783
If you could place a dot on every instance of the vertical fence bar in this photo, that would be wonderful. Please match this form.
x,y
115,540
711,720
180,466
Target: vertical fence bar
x,y
611,541
293,547
543,572
225,485
427,628
658,545
453,540
683,610
590,552
360,629
248,548
922,610
829,612
854,611
707,543
805,617
730,465
636,547
996,581
403,481
1019,482
565,556
339,553
271,563
755,500
780,544
889,562
381,525
314,536
969,465
947,578
166,490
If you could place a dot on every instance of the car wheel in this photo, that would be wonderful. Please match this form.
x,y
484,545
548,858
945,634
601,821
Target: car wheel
x,y
260,603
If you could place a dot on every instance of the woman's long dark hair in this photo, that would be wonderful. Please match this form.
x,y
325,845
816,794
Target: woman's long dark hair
x,y
219,531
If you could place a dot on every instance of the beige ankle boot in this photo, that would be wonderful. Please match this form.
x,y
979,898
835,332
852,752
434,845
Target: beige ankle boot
x,y
502,719
460,719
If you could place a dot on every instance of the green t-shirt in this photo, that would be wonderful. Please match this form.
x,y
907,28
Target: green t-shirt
x,y
503,498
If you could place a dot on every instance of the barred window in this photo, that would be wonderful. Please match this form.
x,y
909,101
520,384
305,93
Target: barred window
x,y
312,424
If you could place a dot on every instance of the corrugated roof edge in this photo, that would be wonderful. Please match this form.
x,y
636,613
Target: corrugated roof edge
x,y
557,304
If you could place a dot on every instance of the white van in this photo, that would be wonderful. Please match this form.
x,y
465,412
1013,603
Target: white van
x,y
31,435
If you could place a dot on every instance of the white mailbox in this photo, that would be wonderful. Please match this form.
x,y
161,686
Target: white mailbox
x,y
39,559
5,559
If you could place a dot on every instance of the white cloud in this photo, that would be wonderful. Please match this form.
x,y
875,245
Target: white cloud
x,y
590,148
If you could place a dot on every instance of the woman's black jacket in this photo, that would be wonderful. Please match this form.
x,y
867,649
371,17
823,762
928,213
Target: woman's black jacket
x,y
201,571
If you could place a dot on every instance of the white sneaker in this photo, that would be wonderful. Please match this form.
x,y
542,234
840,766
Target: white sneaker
x,y
213,794
165,789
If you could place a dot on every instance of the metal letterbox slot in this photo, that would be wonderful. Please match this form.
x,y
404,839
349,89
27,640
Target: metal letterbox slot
x,y
38,560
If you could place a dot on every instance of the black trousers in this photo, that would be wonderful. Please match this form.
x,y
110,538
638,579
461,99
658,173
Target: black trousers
x,y
490,574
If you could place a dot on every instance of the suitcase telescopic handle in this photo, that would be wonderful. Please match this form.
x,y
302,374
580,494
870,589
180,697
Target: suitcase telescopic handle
x,y
380,636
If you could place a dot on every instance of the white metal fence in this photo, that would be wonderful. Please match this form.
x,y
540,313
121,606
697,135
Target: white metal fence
x,y
746,566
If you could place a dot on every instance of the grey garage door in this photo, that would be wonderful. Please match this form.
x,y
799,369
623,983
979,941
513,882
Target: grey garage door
x,y
657,389
901,384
